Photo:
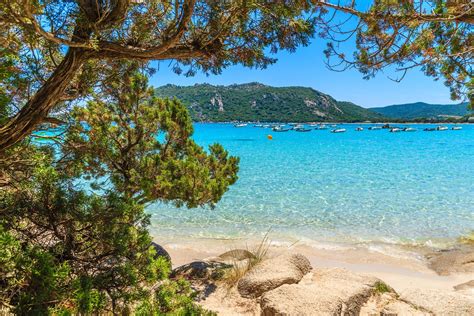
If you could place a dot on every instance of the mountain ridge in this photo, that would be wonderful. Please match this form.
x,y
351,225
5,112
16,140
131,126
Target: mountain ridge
x,y
422,110
255,101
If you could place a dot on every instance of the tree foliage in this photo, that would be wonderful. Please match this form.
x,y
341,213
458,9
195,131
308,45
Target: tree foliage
x,y
434,35
117,134
64,47
73,231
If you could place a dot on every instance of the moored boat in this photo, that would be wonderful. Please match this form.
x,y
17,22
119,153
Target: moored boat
x,y
280,129
302,129
395,130
375,128
359,129
441,128
409,129
430,129
338,130
456,128
240,125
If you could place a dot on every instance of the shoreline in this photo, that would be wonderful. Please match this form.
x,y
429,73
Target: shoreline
x,y
337,122
401,267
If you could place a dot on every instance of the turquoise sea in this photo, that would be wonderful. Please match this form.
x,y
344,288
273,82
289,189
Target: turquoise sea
x,y
354,187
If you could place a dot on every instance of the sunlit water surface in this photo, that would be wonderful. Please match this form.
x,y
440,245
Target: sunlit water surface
x,y
354,187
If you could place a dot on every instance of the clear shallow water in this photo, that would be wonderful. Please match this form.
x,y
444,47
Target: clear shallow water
x,y
371,186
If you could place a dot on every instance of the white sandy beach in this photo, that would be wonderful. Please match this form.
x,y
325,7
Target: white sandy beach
x,y
401,268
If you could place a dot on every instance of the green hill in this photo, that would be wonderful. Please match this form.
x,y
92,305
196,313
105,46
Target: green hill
x,y
422,110
258,102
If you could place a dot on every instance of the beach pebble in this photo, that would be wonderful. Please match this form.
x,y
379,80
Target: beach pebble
x,y
272,273
440,302
326,292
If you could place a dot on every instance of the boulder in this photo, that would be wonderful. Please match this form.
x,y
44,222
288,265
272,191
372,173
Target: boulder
x,y
201,270
160,251
452,261
440,302
327,292
272,273
466,286
403,309
236,255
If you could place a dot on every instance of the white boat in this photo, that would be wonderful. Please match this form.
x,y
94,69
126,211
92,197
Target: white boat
x,y
395,130
321,127
338,130
359,129
280,128
240,125
456,128
375,128
409,129
333,125
442,128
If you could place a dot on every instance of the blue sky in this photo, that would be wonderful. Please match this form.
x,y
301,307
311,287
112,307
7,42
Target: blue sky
x,y
306,68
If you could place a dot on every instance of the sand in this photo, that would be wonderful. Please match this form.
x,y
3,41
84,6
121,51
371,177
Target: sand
x,y
400,267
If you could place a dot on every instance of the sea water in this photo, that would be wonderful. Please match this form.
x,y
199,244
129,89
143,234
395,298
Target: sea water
x,y
354,187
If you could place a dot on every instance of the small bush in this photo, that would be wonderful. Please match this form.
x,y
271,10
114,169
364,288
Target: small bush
x,y
382,287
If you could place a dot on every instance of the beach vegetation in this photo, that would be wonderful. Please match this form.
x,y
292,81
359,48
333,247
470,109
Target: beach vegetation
x,y
382,287
239,268
74,233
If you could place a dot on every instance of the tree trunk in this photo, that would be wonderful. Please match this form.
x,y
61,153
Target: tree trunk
x,y
38,107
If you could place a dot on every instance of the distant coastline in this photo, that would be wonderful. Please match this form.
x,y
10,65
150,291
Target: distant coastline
x,y
254,102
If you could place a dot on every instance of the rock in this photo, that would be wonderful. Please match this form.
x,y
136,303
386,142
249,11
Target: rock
x,y
236,255
327,292
466,286
440,302
452,261
201,270
272,273
403,309
160,251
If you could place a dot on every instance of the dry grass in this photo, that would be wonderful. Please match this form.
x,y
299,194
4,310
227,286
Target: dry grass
x,y
240,268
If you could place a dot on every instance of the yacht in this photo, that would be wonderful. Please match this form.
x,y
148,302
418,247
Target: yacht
x,y
240,125
409,129
359,129
442,128
338,130
395,130
456,128
375,128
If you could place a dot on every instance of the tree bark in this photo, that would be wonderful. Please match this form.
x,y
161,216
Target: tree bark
x,y
38,107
